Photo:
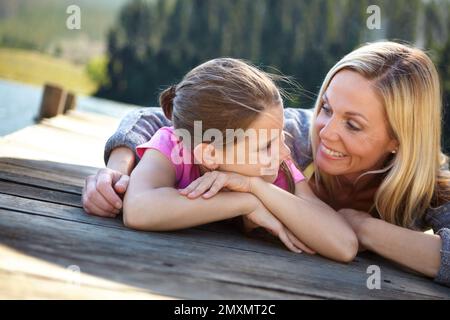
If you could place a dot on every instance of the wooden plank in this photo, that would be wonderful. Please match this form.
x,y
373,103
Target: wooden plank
x,y
41,216
61,139
25,191
221,234
55,176
70,170
94,119
54,144
161,266
25,277
38,182
79,127
295,274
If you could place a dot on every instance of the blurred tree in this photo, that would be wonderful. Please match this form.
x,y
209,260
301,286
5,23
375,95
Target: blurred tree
x,y
154,43
443,65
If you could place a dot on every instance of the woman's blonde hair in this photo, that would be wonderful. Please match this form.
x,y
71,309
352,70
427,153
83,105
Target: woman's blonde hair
x,y
408,84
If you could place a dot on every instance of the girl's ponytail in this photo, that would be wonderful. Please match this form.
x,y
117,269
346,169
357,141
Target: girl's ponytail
x,y
166,101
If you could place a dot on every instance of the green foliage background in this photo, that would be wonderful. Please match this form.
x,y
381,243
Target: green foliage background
x,y
131,49
155,42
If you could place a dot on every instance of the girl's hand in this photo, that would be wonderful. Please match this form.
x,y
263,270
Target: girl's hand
x,y
356,219
261,217
211,183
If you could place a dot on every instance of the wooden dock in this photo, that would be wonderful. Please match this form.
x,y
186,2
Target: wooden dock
x,y
51,249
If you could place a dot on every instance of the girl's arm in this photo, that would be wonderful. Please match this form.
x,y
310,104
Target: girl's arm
x,y
151,202
313,222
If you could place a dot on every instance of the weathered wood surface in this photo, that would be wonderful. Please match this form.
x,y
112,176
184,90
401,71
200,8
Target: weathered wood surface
x,y
45,238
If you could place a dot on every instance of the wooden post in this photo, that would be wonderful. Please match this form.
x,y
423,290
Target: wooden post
x,y
71,102
53,101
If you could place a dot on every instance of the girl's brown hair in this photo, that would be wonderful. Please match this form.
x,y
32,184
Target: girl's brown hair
x,y
223,93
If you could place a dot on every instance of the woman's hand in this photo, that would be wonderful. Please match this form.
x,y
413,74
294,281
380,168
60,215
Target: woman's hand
x,y
211,183
356,219
101,193
261,217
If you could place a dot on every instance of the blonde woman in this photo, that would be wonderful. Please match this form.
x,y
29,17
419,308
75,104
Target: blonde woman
x,y
371,150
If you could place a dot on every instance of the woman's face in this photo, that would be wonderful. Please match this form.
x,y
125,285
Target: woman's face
x,y
352,129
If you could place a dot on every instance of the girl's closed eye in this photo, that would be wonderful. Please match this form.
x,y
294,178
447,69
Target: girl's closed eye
x,y
267,149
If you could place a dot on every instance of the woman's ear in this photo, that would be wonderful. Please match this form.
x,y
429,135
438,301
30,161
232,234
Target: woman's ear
x,y
205,154
393,146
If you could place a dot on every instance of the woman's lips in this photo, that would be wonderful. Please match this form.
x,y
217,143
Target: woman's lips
x,y
330,153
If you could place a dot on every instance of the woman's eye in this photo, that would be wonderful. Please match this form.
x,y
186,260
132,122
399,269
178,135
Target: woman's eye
x,y
352,126
326,109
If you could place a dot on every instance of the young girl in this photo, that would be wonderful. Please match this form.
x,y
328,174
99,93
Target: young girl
x,y
181,162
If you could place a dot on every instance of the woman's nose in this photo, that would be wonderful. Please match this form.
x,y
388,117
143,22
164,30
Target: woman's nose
x,y
329,130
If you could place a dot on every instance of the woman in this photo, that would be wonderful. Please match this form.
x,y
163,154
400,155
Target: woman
x,y
374,156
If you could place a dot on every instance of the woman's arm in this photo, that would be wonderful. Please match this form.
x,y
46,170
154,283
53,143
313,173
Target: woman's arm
x,y
413,249
136,128
121,160
296,125
153,204
102,191
425,253
309,219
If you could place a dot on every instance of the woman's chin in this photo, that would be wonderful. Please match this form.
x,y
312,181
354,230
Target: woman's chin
x,y
328,167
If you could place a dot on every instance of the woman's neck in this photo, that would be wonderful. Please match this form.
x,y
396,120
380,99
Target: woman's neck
x,y
356,183
352,193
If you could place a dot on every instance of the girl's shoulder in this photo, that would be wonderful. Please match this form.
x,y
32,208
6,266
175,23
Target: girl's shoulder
x,y
282,180
164,140
167,142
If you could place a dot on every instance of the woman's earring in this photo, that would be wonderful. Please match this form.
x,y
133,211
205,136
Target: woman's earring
x,y
394,151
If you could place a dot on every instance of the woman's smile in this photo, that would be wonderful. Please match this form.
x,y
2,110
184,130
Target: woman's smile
x,y
331,153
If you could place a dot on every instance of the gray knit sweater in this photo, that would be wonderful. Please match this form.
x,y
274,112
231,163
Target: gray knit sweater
x,y
138,127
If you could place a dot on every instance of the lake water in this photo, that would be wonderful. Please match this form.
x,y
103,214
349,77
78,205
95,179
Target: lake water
x,y
19,106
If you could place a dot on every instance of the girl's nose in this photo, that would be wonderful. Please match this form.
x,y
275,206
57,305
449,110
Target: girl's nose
x,y
285,152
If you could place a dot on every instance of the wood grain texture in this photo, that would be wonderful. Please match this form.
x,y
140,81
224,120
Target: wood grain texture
x,y
44,232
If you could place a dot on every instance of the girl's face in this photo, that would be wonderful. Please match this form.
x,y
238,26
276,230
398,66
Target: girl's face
x,y
352,129
262,150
